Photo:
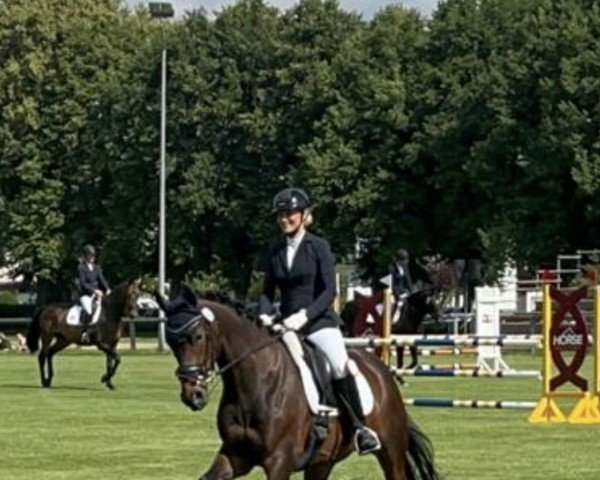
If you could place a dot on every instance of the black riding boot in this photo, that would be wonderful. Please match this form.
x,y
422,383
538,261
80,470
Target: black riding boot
x,y
86,319
346,393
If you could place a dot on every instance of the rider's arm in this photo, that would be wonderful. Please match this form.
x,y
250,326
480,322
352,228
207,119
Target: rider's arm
x,y
396,287
268,293
102,281
326,276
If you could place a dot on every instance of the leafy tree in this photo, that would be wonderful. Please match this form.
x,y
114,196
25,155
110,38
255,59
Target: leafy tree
x,y
57,61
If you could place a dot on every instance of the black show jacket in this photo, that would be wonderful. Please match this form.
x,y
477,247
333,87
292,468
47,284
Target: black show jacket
x,y
310,284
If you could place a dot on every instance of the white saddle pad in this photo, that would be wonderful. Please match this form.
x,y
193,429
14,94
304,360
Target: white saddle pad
x,y
74,315
312,393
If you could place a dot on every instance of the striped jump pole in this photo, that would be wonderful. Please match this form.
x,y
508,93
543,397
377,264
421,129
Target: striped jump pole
x,y
416,372
447,366
446,352
451,403
524,341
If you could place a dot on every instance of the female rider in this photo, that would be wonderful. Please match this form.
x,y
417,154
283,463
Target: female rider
x,y
302,267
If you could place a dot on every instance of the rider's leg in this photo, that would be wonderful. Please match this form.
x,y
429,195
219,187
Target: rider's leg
x,y
292,342
86,317
344,370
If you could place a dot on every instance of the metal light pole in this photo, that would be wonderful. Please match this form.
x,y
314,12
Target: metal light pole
x,y
162,10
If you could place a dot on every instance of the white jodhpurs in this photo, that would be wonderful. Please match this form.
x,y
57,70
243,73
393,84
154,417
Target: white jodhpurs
x,y
331,342
86,303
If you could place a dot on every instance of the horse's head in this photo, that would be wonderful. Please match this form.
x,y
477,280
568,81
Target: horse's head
x,y
123,298
192,336
423,302
368,316
133,290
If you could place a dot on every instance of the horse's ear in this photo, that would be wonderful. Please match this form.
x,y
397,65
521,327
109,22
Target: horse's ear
x,y
188,295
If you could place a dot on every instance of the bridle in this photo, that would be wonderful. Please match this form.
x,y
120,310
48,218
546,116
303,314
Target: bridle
x,y
205,375
195,373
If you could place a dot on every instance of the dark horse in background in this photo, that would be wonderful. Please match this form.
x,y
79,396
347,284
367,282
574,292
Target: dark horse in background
x,y
263,418
49,324
363,317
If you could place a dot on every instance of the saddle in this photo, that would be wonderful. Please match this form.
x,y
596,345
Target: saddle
x,y
317,363
315,375
76,312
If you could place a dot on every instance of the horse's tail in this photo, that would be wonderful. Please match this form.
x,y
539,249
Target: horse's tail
x,y
34,331
419,462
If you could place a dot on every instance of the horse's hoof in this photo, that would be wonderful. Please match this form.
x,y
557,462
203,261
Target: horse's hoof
x,y
104,379
46,384
412,365
110,385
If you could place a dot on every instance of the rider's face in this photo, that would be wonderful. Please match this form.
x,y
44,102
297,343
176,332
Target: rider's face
x,y
289,221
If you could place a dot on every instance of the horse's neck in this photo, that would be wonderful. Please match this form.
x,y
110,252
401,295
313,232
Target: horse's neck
x,y
241,342
114,306
238,336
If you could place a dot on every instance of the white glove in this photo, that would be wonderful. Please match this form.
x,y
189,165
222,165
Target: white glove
x,y
266,320
296,321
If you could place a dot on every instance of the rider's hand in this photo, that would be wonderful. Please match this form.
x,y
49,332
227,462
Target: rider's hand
x,y
98,293
266,320
296,321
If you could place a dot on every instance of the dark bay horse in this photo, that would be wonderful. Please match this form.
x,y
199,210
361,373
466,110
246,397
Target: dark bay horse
x,y
49,324
364,317
263,418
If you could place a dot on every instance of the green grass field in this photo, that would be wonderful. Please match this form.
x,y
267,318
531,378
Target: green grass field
x,y
79,430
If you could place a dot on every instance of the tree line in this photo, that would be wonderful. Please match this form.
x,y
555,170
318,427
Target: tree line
x,y
473,133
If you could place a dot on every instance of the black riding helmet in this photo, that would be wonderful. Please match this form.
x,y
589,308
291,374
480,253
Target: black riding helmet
x,y
89,250
290,199
402,254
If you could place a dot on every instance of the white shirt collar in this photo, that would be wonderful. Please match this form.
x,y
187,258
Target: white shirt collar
x,y
295,240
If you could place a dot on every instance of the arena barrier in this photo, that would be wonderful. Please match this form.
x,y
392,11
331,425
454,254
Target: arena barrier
x,y
568,334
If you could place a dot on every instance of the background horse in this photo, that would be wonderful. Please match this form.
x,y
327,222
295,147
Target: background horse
x,y
418,306
363,317
49,324
263,418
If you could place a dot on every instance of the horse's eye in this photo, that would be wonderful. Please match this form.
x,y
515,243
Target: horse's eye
x,y
195,337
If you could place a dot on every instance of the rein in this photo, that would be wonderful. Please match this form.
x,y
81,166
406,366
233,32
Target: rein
x,y
207,375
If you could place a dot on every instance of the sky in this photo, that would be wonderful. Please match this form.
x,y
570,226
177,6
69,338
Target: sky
x,y
366,8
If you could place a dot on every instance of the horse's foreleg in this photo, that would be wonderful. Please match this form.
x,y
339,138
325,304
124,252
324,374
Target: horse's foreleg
x,y
414,356
318,472
113,359
278,467
400,356
226,465
45,377
42,356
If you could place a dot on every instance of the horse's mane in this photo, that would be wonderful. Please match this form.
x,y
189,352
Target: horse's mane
x,y
244,310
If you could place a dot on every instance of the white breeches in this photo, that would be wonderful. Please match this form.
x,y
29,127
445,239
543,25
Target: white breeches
x,y
86,302
331,342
